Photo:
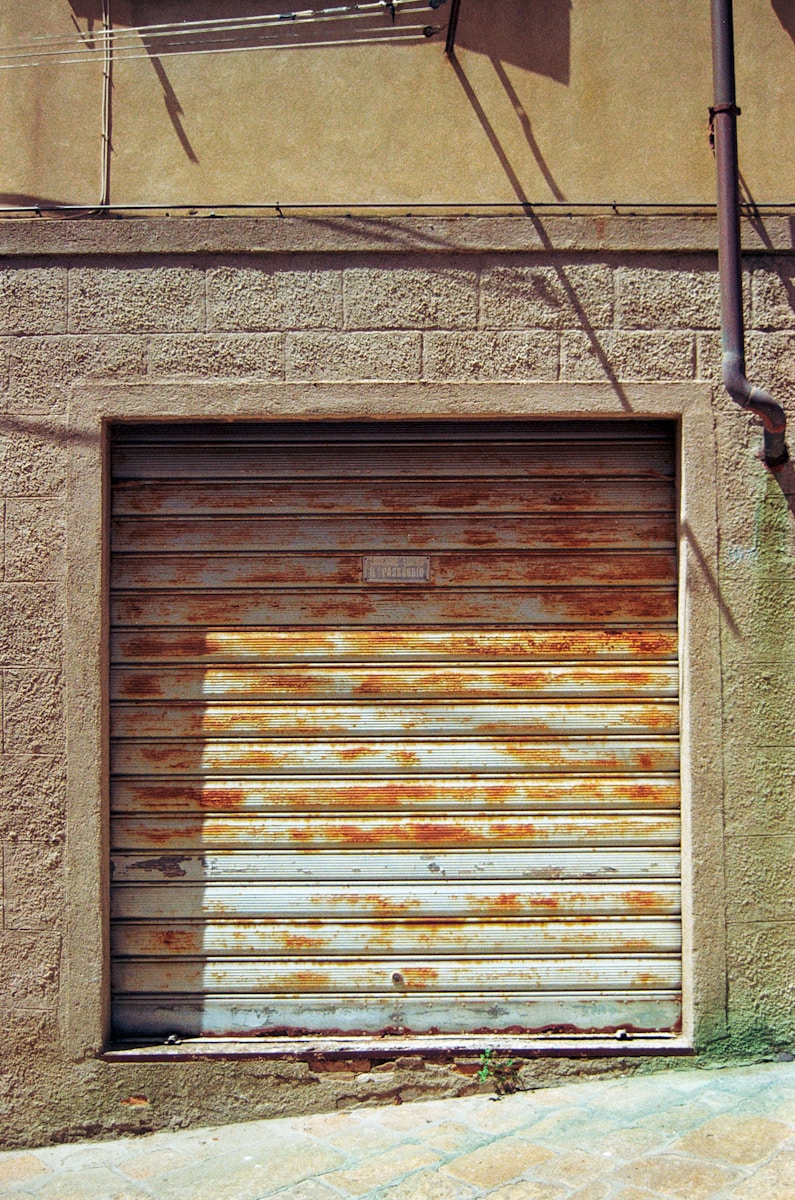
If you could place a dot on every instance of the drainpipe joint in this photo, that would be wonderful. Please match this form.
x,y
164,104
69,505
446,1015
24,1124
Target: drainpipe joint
x,y
759,402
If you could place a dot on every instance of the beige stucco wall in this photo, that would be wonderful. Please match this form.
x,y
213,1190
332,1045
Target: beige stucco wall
x,y
556,100
270,317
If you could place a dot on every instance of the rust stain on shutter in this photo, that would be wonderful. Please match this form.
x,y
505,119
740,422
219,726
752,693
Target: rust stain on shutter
x,y
394,729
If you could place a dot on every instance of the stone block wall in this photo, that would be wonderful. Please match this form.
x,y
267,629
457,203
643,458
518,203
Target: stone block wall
x,y
576,315
509,317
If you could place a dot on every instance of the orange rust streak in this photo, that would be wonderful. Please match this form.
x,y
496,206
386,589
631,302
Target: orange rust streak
x,y
440,832
519,828
302,833
137,684
298,942
395,794
263,683
163,797
642,792
166,754
420,976
145,646
178,942
352,753
653,717
216,799
407,758
176,833
480,537
473,499
643,900
312,981
373,685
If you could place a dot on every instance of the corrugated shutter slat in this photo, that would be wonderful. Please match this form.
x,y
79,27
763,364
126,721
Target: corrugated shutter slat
x,y
447,802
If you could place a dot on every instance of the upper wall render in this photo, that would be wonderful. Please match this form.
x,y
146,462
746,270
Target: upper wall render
x,y
575,100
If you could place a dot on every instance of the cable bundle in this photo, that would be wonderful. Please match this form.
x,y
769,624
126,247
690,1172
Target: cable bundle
x,y
224,35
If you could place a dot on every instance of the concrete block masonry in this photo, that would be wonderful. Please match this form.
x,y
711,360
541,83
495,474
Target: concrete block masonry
x,y
410,297
247,355
253,299
352,356
547,295
33,300
117,299
42,368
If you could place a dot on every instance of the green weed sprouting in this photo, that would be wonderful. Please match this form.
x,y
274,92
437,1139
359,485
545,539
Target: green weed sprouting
x,y
502,1073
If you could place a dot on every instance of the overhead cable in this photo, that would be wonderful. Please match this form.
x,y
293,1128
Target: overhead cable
x,y
125,40
400,35
107,86
273,18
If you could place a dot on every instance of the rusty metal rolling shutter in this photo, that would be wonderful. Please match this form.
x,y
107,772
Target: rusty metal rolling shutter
x,y
394,729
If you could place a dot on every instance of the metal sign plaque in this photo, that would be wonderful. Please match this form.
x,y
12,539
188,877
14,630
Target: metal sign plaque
x,y
396,568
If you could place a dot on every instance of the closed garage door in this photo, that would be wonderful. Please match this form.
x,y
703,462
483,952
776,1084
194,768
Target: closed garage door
x,y
394,729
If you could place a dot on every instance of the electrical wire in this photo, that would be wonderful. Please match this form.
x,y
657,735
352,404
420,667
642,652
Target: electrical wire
x,y
271,18
481,208
150,33
357,41
186,32
107,88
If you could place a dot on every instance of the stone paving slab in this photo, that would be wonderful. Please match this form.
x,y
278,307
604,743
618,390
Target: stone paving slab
x,y
677,1135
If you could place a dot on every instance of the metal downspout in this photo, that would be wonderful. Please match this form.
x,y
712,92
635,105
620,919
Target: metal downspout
x,y
452,26
723,115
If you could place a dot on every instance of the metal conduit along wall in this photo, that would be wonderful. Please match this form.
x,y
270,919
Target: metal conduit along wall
x,y
394,729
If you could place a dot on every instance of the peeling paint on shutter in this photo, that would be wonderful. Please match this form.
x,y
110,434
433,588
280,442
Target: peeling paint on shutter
x,y
394,729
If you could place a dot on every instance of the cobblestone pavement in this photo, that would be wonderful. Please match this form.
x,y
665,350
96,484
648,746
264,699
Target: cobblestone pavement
x,y
685,1135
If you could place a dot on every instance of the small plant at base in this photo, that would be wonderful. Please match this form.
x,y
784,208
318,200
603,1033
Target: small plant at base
x,y
503,1073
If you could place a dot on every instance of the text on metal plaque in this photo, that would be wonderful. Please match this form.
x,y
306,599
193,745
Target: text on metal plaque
x,y
396,568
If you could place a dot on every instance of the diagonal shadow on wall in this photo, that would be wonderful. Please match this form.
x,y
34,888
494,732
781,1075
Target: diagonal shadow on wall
x,y
91,12
785,11
535,38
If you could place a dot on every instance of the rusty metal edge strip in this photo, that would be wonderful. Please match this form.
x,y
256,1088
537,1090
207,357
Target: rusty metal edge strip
x,y
302,1048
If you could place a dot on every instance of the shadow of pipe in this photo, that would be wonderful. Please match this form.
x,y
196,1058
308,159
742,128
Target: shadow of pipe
x,y
91,12
60,434
543,236
753,214
527,128
174,109
27,200
598,349
785,478
489,131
